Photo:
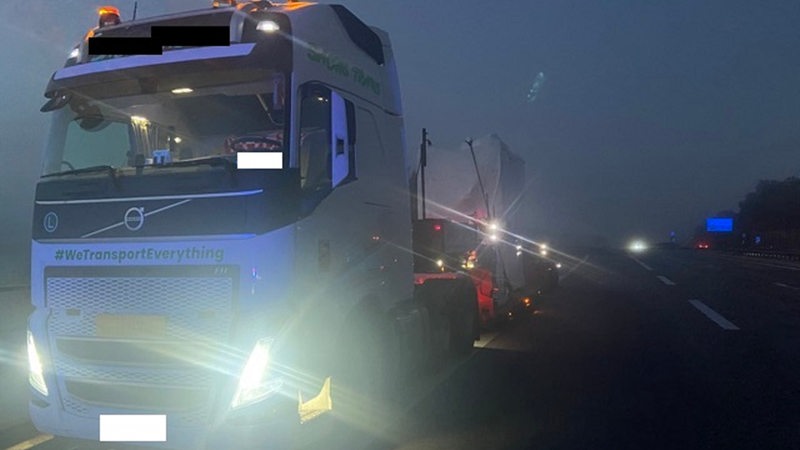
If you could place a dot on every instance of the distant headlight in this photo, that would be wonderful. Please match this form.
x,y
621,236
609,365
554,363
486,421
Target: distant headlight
x,y
256,382
35,372
637,246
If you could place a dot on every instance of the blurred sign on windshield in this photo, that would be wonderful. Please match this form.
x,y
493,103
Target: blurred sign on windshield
x,y
719,224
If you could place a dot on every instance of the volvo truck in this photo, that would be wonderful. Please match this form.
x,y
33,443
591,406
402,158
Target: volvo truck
x,y
222,242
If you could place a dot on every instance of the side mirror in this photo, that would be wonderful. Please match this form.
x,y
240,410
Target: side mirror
x,y
58,101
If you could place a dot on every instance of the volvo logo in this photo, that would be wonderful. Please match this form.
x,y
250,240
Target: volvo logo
x,y
50,222
134,218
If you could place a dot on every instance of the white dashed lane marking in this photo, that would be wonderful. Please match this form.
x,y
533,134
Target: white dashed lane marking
x,y
786,286
32,442
648,268
666,280
724,323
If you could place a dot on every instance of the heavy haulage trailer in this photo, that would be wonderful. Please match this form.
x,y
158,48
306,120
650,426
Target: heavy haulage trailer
x,y
468,209
222,238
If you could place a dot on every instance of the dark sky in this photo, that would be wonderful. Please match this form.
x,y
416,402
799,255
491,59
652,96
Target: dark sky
x,y
653,114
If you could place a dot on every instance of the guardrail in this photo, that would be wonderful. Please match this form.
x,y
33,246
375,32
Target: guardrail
x,y
786,256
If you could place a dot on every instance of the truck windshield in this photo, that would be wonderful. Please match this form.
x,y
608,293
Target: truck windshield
x,y
159,129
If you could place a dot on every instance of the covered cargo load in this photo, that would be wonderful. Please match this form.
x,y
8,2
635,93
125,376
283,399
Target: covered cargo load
x,y
453,191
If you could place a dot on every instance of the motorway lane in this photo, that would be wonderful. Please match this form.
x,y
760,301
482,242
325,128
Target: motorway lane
x,y
593,374
759,362
756,295
618,359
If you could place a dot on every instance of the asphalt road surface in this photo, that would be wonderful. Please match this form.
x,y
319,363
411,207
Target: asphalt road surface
x,y
673,349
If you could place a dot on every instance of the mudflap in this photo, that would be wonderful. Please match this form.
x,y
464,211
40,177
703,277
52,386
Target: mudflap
x,y
315,407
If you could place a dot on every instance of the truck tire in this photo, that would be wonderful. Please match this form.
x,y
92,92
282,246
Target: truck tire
x,y
463,318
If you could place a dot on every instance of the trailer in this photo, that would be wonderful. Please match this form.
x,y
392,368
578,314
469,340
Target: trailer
x,y
476,191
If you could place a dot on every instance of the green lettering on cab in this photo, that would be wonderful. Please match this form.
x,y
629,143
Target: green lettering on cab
x,y
340,67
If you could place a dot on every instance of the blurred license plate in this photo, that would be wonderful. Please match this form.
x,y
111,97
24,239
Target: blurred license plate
x,y
130,326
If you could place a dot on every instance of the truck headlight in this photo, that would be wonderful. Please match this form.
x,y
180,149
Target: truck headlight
x,y
75,53
256,382
268,26
35,372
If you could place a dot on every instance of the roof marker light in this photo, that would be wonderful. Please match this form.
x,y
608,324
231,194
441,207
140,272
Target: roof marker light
x,y
108,10
218,3
109,15
268,26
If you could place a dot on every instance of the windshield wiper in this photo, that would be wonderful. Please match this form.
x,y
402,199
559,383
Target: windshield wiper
x,y
112,172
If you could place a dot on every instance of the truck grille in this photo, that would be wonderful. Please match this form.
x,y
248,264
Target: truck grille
x,y
139,338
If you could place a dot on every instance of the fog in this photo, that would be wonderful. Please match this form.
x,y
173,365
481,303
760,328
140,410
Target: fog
x,y
653,115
